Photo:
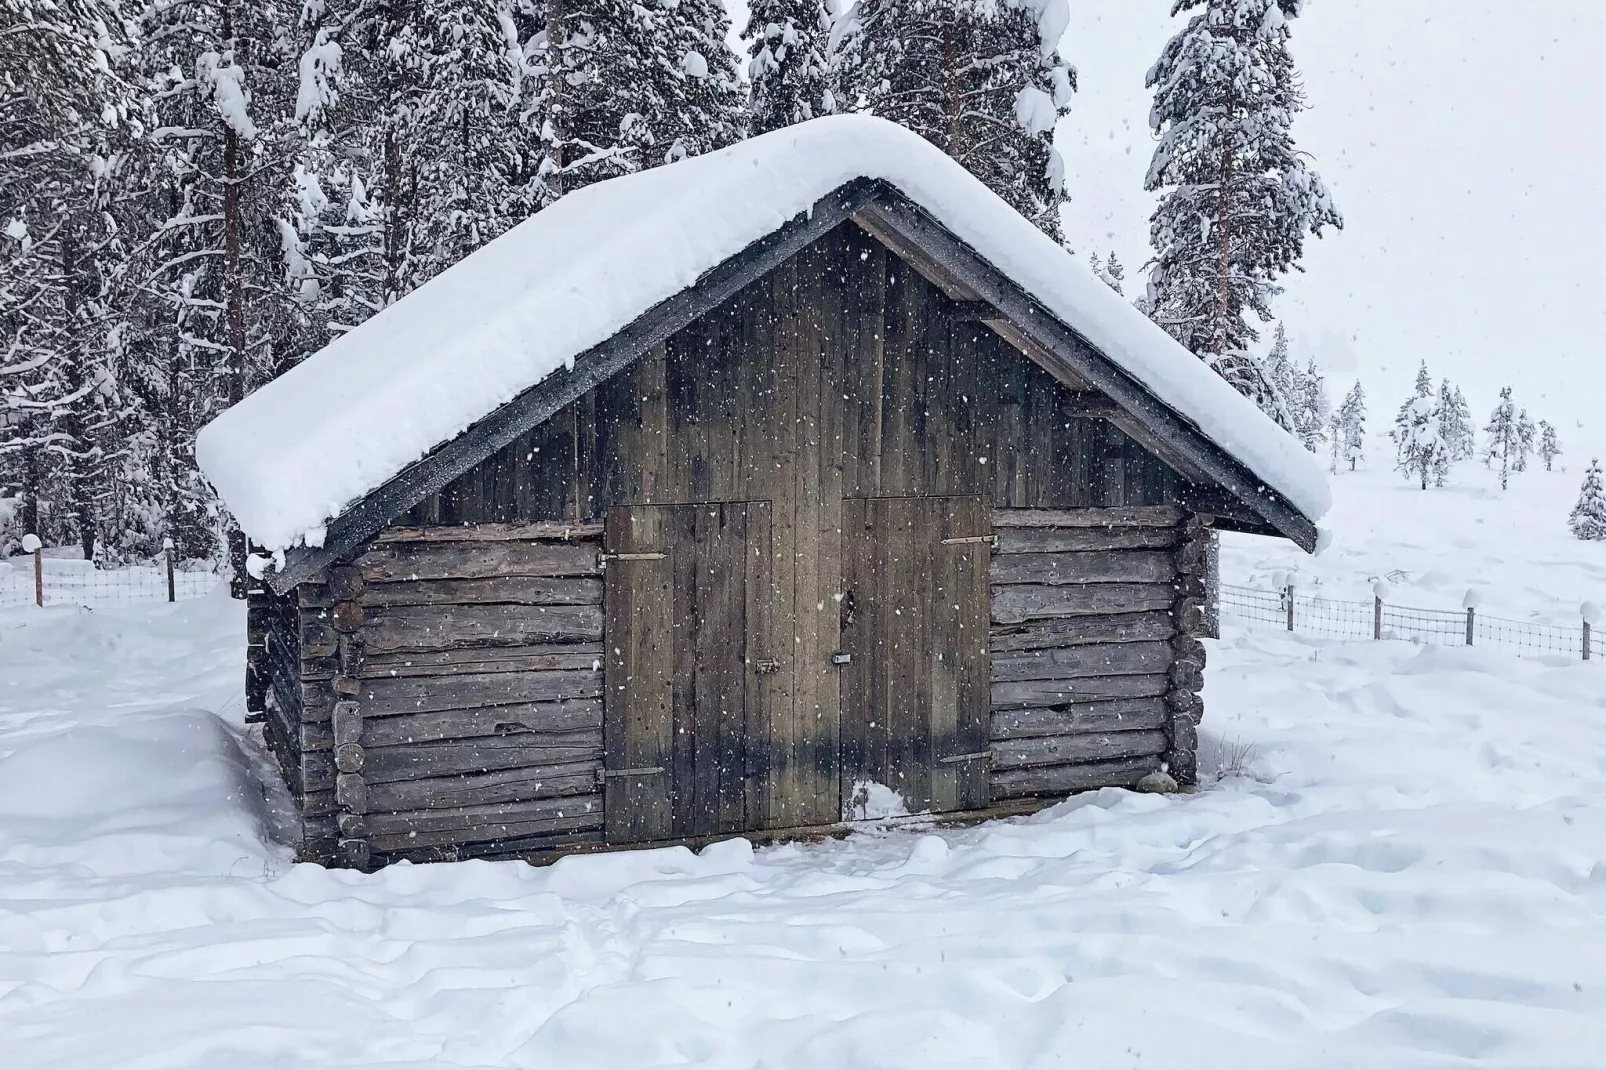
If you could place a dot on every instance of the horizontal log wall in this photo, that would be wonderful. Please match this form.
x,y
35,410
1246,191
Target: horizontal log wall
x,y
441,695
1093,657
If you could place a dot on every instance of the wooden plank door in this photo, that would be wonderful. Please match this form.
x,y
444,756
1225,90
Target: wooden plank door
x,y
686,678
915,698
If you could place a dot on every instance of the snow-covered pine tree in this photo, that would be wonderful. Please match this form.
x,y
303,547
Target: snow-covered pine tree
x,y
1416,434
1549,446
67,116
670,81
789,71
416,148
1588,518
1312,407
981,80
209,315
1527,435
1352,425
1282,379
1424,381
1239,199
1455,425
1503,444
1465,446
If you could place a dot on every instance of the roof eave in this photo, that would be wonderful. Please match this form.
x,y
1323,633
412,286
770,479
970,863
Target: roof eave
x,y
893,218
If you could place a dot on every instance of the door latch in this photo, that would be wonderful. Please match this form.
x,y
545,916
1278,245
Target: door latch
x,y
840,658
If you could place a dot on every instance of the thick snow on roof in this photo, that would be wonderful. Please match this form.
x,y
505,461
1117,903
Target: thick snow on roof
x,y
300,450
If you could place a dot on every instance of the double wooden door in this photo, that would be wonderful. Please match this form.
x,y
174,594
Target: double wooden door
x,y
708,725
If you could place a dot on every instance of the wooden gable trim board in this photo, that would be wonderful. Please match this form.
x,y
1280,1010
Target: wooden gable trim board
x,y
911,233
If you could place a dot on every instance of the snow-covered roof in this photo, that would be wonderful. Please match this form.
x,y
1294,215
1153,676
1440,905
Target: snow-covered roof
x,y
299,451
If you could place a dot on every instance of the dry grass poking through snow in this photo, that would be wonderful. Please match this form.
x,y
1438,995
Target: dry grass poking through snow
x,y
1223,759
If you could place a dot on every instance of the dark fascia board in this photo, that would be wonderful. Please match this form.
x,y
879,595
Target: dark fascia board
x,y
1056,345
1069,354
363,518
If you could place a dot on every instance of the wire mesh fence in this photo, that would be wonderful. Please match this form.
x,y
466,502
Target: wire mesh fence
x,y
52,581
1330,618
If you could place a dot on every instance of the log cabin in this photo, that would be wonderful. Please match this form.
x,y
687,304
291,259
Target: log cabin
x,y
713,497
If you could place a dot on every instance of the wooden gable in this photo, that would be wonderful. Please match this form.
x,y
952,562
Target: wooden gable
x,y
844,373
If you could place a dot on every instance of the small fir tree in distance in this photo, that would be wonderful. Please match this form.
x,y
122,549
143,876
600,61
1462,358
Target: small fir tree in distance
x,y
1455,425
1526,435
1549,447
1421,451
1465,445
1312,407
1402,419
1588,519
1115,274
1424,381
1279,380
1352,425
1503,445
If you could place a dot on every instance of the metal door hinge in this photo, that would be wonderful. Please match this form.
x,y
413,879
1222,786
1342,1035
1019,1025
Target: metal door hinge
x,y
766,666
631,557
955,759
840,658
991,540
648,770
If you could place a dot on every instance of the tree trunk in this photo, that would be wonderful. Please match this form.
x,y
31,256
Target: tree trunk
x,y
953,89
1223,236
79,499
28,516
555,113
233,273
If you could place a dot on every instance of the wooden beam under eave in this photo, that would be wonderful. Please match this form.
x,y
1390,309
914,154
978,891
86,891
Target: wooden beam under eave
x,y
917,258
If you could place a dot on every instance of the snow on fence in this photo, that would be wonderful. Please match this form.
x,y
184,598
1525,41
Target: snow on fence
x,y
34,579
1331,618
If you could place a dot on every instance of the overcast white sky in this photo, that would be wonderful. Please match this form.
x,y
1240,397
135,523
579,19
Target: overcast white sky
x,y
1465,142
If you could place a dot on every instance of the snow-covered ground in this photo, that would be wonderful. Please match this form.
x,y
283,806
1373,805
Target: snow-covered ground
x,y
1403,871
1432,546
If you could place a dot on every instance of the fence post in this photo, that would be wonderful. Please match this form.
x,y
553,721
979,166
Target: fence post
x,y
1587,641
1591,614
1470,603
32,545
167,552
1380,591
1290,595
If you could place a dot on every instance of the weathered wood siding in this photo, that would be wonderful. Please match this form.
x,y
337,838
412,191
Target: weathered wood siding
x,y
1096,666
439,695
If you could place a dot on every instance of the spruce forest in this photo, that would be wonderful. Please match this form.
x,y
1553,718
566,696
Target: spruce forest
x,y
196,194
